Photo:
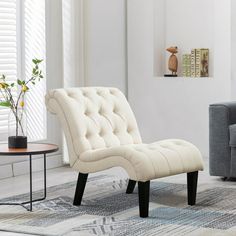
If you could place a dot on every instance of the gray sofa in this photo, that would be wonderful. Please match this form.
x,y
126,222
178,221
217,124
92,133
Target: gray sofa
x,y
222,138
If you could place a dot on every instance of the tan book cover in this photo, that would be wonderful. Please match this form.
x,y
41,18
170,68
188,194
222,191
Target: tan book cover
x,y
186,65
193,62
198,63
204,63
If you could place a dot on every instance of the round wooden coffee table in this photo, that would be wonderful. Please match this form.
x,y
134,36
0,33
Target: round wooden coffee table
x,y
32,149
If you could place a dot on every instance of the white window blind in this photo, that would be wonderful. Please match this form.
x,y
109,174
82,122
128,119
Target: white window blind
x,y
8,53
33,38
22,38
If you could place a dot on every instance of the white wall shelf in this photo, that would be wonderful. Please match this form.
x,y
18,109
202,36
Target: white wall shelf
x,y
182,78
187,25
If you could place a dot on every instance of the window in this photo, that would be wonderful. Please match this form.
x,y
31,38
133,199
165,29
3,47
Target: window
x,y
22,37
8,53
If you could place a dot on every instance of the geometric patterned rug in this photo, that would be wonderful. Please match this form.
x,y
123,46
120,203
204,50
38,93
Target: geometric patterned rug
x,y
107,210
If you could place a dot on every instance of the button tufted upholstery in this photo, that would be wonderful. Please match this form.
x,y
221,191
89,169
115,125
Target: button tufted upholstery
x,y
144,161
101,132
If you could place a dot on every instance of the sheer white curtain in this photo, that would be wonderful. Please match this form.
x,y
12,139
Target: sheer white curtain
x,y
64,24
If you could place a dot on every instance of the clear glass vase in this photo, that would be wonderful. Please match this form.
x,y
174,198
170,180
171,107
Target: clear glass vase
x,y
17,128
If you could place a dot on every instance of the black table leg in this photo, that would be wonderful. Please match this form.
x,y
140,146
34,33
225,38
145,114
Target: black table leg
x,y
45,177
30,169
45,184
31,200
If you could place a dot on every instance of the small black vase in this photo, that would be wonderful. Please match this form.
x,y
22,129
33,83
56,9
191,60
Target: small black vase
x,y
17,142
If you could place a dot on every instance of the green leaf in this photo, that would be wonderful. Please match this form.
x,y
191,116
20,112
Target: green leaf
x,y
19,82
5,104
36,61
12,84
33,82
40,76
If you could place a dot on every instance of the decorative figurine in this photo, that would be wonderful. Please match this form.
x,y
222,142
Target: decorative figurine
x,y
173,62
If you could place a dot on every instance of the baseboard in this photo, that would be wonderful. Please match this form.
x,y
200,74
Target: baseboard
x,y
6,171
22,167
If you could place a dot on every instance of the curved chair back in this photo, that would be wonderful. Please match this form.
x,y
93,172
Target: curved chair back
x,y
93,118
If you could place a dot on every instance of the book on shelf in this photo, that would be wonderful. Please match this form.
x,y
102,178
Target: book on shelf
x,y
199,63
186,65
193,62
204,62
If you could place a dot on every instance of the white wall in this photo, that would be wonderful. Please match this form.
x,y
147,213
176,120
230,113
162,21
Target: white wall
x,y
159,34
177,108
233,50
105,43
189,24
186,24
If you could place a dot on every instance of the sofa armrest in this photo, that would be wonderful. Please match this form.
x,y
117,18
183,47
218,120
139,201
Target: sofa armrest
x,y
232,134
229,108
232,143
221,116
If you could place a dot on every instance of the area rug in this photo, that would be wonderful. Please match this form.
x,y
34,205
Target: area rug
x,y
107,210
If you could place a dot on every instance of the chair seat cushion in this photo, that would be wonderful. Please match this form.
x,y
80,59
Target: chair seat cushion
x,y
144,162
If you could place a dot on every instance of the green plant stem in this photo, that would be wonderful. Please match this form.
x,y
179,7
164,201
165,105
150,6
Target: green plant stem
x,y
18,99
21,92
18,122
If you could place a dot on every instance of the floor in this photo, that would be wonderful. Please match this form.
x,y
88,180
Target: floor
x,y
20,184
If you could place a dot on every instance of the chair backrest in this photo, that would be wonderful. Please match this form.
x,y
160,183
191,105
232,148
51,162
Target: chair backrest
x,y
93,118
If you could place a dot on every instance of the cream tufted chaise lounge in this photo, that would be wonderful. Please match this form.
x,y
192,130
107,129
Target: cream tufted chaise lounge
x,y
101,132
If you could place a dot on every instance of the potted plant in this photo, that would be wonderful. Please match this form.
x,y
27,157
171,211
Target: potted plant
x,y
12,95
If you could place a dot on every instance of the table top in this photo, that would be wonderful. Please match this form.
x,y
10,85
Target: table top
x,y
32,149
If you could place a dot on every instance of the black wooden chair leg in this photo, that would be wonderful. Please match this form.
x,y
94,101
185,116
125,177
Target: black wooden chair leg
x,y
82,179
143,192
192,187
131,186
